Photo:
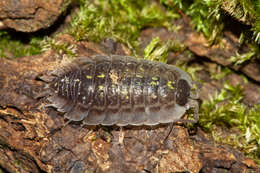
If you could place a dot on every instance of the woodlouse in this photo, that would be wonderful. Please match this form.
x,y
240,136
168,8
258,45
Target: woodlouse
x,y
121,90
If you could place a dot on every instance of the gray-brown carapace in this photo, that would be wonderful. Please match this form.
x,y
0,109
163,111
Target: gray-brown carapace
x,y
121,90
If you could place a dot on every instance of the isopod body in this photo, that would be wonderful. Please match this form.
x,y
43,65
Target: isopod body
x,y
121,90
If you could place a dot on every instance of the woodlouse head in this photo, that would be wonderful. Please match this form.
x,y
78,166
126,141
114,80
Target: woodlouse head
x,y
185,92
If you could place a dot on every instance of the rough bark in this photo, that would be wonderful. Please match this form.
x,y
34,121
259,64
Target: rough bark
x,y
31,15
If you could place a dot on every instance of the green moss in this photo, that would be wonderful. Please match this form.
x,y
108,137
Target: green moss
x,y
58,46
65,5
156,50
257,22
205,16
246,11
121,20
12,47
253,52
210,18
226,110
241,58
223,71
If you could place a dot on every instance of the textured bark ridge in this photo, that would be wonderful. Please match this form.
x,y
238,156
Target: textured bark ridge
x,y
31,15
33,138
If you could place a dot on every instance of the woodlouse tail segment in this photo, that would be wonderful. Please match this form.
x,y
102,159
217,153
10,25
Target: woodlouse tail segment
x,y
46,78
46,90
61,104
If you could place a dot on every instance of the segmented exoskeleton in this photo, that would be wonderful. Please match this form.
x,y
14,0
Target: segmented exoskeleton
x,y
121,90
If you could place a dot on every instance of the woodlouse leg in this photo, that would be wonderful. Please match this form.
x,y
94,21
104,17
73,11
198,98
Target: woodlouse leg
x,y
195,90
168,132
65,124
121,136
195,105
192,104
42,94
58,129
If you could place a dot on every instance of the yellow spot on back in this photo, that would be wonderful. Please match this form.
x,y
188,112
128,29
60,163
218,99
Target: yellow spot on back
x,y
170,85
154,78
153,83
141,69
100,87
139,76
88,77
101,75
